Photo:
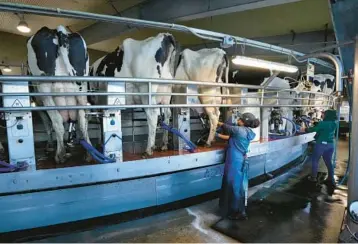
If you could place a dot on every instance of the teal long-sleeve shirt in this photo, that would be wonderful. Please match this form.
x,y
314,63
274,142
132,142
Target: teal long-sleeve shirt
x,y
325,131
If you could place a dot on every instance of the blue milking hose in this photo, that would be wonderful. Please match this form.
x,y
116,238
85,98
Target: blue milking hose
x,y
294,125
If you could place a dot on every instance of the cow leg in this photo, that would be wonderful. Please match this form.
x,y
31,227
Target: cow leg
x,y
56,117
152,119
2,152
59,129
167,114
72,120
83,123
48,127
288,113
213,114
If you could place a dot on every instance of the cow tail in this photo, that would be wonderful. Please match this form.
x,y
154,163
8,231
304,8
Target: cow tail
x,y
64,46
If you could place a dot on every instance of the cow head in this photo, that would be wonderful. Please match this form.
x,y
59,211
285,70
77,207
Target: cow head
x,y
318,83
329,84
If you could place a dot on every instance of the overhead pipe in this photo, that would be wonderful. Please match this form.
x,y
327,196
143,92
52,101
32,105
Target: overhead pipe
x,y
204,34
336,61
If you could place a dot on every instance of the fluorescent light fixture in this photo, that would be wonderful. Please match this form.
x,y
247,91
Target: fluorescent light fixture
x,y
264,64
23,27
7,69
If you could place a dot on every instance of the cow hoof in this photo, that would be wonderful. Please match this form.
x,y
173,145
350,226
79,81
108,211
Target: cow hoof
x,y
60,160
49,148
145,155
88,158
2,154
207,145
70,144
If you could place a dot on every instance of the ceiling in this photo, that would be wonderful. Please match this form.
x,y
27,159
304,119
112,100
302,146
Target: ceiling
x,y
302,16
9,21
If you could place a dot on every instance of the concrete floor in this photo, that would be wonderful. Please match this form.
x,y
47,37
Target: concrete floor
x,y
192,224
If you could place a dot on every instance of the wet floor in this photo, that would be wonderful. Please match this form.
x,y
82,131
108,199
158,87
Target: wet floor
x,y
198,223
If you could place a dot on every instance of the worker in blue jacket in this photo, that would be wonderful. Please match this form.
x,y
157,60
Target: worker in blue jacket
x,y
235,180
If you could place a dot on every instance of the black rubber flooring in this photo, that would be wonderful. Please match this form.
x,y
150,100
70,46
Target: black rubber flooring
x,y
296,214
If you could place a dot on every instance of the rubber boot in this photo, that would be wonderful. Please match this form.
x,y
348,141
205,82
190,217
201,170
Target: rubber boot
x,y
314,185
331,186
238,216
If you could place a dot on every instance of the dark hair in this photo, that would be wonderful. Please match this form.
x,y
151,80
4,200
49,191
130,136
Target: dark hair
x,y
253,123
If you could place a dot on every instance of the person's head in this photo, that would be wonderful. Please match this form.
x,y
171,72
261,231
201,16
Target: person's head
x,y
330,115
248,120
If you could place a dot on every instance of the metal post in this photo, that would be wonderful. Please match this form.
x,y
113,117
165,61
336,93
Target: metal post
x,y
150,93
133,132
352,227
264,126
112,126
264,115
19,126
181,121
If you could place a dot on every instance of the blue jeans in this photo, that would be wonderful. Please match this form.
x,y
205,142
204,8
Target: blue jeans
x,y
325,151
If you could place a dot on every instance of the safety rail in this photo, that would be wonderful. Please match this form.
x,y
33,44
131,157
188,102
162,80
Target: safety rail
x,y
43,94
273,93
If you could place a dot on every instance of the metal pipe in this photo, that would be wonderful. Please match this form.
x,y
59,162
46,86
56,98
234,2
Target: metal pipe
x,y
277,98
80,107
353,163
333,46
204,34
336,61
13,65
15,79
19,78
42,94
150,93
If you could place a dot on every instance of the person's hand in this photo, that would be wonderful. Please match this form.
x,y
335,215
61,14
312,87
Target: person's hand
x,y
303,129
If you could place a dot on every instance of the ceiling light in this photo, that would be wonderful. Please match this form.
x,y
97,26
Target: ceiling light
x,y
7,69
23,27
264,64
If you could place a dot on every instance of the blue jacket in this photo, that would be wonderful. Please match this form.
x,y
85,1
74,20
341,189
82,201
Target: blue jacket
x,y
240,137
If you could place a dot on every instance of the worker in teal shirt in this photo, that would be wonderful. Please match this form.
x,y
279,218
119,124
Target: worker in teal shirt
x,y
325,135
235,179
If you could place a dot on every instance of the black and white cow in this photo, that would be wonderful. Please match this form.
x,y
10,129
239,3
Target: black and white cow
x,y
57,52
208,65
324,83
256,79
153,57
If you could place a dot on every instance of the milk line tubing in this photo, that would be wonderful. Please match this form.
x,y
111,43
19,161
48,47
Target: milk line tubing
x,y
203,34
14,79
